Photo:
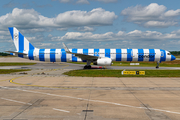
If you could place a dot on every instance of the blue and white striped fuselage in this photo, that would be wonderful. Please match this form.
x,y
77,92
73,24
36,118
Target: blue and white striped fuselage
x,y
59,55
103,57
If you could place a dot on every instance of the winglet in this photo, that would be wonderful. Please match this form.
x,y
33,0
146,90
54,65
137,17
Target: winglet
x,y
66,48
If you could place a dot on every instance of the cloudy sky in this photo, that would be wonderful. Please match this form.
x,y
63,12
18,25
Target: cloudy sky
x,y
92,23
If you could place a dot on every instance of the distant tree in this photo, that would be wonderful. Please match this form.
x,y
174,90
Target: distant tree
x,y
4,54
175,52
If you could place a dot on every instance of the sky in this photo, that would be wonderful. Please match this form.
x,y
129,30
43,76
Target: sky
x,y
150,24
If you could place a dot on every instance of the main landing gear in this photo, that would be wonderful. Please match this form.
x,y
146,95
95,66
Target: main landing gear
x,y
157,64
88,66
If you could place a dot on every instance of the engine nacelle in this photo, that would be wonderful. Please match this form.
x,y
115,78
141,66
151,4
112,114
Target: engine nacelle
x,y
103,62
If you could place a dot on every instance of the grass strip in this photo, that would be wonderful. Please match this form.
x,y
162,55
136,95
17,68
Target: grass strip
x,y
175,63
117,73
15,64
8,71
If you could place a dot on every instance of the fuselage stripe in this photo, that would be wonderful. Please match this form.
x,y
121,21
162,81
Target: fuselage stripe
x,y
31,57
163,55
63,56
74,59
140,54
107,53
85,51
118,54
129,56
52,55
151,55
21,42
96,52
41,55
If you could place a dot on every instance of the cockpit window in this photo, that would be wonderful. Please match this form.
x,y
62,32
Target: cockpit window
x,y
169,53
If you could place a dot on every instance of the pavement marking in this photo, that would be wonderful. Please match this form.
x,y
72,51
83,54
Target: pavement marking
x,y
64,66
16,101
61,110
11,81
123,105
4,80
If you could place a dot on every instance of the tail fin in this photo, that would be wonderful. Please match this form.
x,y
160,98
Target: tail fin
x,y
20,42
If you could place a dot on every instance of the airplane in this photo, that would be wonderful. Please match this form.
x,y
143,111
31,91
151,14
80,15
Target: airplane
x,y
101,57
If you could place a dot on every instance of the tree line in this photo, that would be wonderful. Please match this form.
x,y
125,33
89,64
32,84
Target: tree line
x,y
4,54
175,52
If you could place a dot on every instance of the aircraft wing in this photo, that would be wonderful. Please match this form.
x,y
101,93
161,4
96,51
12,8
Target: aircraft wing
x,y
82,56
16,52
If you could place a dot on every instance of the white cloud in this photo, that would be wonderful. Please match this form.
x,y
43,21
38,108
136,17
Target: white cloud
x,y
62,29
140,13
177,32
153,15
85,29
65,1
94,17
160,24
29,18
121,39
172,13
82,2
135,35
107,1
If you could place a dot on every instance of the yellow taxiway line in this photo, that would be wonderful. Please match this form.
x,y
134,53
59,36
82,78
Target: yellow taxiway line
x,y
12,81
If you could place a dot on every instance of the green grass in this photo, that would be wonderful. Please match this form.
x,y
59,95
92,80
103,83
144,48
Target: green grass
x,y
15,64
117,73
175,63
178,56
8,71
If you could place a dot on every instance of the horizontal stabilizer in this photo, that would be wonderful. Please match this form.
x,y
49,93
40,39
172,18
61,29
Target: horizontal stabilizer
x,y
16,52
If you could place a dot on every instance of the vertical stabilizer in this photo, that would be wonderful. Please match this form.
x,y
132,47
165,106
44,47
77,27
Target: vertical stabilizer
x,y
20,42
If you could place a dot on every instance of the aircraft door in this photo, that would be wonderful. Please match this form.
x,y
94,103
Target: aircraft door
x,y
133,53
162,53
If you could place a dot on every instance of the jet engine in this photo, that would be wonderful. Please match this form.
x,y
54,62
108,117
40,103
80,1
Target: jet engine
x,y
103,61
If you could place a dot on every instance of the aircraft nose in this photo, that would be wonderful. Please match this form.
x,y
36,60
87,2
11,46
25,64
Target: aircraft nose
x,y
172,57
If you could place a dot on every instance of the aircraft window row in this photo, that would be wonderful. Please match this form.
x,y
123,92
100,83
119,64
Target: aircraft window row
x,y
105,53
146,53
48,53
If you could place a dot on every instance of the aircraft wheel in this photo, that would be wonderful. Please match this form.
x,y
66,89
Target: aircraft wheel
x,y
87,67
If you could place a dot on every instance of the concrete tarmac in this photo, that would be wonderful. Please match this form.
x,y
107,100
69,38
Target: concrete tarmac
x,y
53,96
44,93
